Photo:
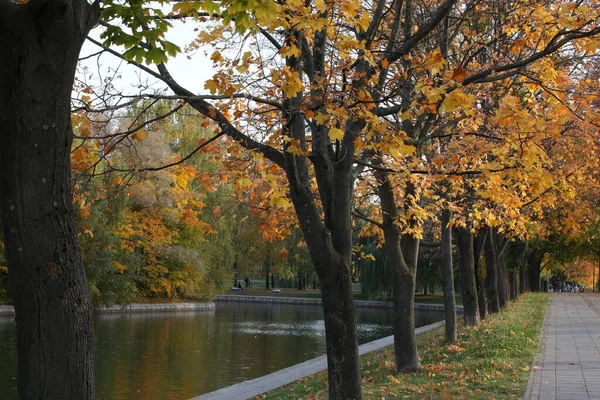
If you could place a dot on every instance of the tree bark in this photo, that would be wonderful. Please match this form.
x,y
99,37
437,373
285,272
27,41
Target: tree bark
x,y
491,266
402,255
39,47
500,243
448,277
534,262
478,246
466,265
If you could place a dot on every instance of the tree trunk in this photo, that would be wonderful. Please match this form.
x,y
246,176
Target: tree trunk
x,y
39,47
523,275
534,262
512,281
341,337
273,281
478,245
448,277
466,265
501,242
267,281
402,258
492,272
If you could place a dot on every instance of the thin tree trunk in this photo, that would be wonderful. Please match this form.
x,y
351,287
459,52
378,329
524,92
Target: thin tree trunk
x,y
534,262
501,242
492,273
478,246
466,265
448,278
39,47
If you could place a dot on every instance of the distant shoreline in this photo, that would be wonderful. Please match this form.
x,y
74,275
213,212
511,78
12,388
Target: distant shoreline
x,y
149,307
6,310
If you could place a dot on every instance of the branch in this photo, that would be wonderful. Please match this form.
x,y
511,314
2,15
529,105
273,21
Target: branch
x,y
513,68
182,160
360,215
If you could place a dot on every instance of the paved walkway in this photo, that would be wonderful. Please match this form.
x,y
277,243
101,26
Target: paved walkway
x,y
568,363
254,387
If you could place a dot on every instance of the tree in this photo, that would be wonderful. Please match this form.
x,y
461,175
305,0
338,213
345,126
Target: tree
x,y
327,90
448,276
39,47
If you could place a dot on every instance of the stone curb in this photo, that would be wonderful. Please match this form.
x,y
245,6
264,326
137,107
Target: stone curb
x,y
254,387
312,301
159,307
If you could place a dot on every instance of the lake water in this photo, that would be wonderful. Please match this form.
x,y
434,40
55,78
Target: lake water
x,y
179,355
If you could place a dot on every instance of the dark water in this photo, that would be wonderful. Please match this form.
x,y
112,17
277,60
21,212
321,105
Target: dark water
x,y
184,354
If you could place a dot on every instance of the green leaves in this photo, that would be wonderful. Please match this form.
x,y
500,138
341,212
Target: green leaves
x,y
140,28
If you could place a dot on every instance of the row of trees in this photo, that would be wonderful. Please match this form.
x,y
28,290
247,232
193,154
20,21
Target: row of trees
x,y
396,112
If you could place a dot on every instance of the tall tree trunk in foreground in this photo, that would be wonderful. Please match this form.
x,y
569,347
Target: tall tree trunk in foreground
x,y
39,46
448,277
491,267
466,266
402,254
478,245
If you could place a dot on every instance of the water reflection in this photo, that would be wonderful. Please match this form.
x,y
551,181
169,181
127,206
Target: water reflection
x,y
184,354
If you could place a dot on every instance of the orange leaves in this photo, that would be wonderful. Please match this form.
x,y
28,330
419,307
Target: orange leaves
x,y
140,135
283,253
459,74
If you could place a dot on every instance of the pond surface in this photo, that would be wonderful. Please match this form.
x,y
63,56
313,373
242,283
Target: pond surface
x,y
179,355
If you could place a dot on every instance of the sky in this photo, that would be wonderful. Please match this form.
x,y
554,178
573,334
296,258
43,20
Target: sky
x,y
190,73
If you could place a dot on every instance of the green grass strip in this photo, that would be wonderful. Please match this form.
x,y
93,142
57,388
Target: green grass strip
x,y
491,361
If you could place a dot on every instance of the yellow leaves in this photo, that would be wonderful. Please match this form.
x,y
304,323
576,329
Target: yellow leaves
x,y
290,51
186,7
336,134
458,100
322,118
216,57
349,7
81,124
320,5
291,84
244,183
212,85
119,268
394,379
279,199
591,45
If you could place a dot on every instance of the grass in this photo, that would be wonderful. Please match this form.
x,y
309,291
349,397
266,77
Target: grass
x,y
491,361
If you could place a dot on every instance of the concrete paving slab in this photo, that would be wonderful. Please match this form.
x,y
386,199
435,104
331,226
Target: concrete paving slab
x,y
567,365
